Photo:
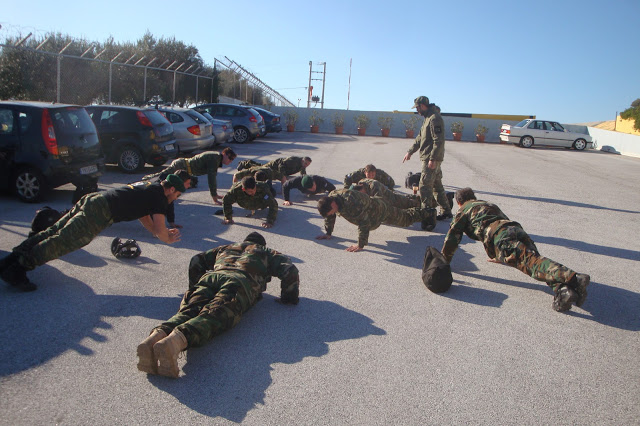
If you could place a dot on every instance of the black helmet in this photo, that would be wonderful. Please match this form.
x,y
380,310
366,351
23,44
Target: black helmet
x,y
128,249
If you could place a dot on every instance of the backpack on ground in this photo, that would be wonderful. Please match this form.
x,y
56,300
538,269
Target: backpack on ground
x,y
412,179
436,272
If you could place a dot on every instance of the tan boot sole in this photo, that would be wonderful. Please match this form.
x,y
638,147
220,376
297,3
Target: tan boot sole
x,y
146,360
167,365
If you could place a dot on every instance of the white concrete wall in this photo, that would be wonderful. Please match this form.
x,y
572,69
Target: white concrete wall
x,y
621,143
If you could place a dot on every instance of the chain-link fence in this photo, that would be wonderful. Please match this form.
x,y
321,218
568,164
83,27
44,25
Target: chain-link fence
x,y
31,74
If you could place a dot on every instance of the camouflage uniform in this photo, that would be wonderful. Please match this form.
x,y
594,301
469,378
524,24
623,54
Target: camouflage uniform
x,y
206,163
263,198
368,213
358,175
430,142
322,185
224,283
271,173
373,188
286,166
504,240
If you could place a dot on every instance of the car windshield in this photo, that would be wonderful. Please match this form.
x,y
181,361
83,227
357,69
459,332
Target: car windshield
x,y
67,121
155,117
522,123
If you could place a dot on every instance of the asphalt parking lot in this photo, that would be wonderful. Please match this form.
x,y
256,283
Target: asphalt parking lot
x,y
368,344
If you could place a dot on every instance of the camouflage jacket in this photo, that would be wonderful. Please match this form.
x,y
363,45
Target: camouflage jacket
x,y
287,166
430,140
260,200
322,185
479,220
358,175
206,163
271,173
256,262
373,188
360,209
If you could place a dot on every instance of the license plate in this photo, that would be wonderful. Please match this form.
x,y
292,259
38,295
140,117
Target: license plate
x,y
89,169
169,147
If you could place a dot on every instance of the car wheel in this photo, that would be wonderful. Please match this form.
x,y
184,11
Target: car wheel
x,y
526,142
130,159
580,144
29,185
240,134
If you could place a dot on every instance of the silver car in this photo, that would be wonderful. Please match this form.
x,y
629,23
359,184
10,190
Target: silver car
x,y
193,131
247,123
543,133
222,129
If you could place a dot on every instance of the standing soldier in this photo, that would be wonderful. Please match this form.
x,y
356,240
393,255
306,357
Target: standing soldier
x,y
430,142
206,163
92,214
224,283
506,242
250,195
369,172
366,212
307,184
373,188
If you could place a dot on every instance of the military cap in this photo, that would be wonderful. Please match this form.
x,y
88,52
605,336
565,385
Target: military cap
x,y
420,100
176,182
307,182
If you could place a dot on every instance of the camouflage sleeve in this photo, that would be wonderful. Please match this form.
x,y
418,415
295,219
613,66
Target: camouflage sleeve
x,y
389,182
227,202
454,236
363,235
286,187
329,223
201,263
273,208
212,177
436,127
280,266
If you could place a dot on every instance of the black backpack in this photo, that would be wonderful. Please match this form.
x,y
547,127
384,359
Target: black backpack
x,y
436,272
412,179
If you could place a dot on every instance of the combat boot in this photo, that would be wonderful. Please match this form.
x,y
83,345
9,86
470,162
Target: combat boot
x,y
580,283
563,299
428,219
444,216
8,260
450,196
15,275
146,361
166,351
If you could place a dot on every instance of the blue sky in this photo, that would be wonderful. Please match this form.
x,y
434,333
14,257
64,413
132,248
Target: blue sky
x,y
570,61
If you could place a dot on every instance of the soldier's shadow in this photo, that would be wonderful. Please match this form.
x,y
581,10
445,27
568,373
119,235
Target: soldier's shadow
x,y
232,373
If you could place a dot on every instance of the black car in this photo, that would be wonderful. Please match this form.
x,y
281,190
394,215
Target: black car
x,y
44,146
271,120
133,136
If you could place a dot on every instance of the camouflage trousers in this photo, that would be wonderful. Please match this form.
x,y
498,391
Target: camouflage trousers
x,y
403,217
432,191
515,248
401,201
214,305
247,164
86,219
177,164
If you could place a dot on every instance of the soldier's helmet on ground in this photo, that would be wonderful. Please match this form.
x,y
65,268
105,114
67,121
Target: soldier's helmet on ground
x,y
128,249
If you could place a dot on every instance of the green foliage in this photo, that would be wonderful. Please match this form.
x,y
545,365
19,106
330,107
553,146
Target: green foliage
x,y
633,113
411,123
291,117
385,122
481,130
362,121
315,119
457,127
338,119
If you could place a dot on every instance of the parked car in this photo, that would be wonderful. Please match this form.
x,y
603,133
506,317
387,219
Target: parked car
x,y
543,133
222,129
271,120
131,136
192,130
44,146
247,123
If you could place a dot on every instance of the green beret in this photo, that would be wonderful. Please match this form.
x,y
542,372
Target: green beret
x,y
420,100
176,182
307,182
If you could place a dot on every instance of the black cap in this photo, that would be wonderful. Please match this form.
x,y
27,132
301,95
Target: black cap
x,y
255,237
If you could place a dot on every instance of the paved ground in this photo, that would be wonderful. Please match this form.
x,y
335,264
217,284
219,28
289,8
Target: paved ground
x,y
368,344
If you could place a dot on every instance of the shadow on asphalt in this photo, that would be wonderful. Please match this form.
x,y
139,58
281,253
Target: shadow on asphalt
x,y
229,376
581,246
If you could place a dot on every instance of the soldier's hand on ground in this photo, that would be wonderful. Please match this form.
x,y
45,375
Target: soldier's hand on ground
x,y
174,225
216,200
286,203
227,221
407,157
494,261
174,235
354,247
323,237
267,225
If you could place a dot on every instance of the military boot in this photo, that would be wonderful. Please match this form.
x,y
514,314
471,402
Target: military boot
x,y
443,216
15,275
146,361
428,219
450,196
563,299
581,281
8,260
166,351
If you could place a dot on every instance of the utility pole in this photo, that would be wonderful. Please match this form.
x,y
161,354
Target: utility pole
x,y
349,91
310,96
